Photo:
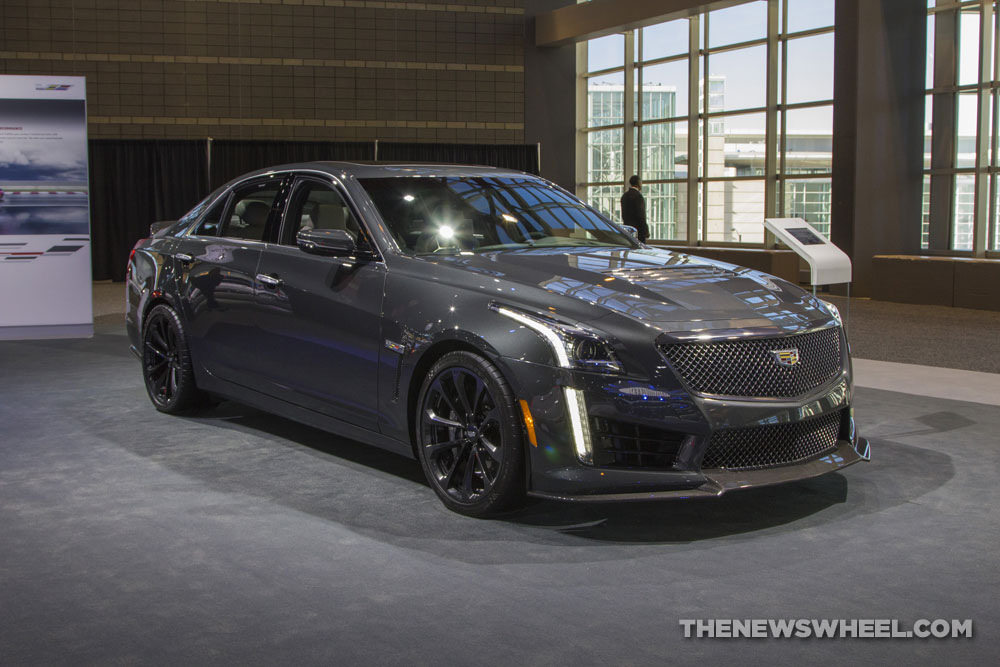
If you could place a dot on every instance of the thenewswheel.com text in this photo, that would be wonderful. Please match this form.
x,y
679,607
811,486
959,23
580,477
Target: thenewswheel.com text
x,y
824,628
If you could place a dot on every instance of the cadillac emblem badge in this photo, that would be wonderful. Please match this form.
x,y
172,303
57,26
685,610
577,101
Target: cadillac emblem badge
x,y
788,357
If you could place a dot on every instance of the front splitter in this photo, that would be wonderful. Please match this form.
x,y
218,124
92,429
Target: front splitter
x,y
718,482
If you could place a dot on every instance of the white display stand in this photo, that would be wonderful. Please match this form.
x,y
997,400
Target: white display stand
x,y
828,264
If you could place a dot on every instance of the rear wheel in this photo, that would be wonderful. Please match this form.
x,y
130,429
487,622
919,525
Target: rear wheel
x,y
469,438
166,363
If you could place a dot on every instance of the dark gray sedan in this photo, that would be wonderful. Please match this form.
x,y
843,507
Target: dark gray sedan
x,y
496,328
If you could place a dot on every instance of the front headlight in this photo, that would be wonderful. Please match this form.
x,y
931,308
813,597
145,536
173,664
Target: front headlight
x,y
573,347
834,311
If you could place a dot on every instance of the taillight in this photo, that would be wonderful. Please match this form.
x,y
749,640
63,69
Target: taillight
x,y
128,269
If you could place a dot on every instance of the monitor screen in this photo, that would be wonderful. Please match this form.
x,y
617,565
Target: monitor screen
x,y
805,236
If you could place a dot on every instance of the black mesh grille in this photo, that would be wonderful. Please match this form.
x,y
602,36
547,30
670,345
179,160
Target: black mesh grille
x,y
622,444
772,445
749,367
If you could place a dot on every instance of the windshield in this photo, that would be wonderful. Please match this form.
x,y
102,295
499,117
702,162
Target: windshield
x,y
481,213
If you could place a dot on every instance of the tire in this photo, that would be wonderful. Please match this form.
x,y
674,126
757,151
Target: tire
x,y
468,436
166,363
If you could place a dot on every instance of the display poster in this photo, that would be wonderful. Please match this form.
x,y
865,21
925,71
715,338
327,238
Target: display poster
x,y
45,277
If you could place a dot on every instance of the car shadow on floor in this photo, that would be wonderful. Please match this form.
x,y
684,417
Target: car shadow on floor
x,y
385,495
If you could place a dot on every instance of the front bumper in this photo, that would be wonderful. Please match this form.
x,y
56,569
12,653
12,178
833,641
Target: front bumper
x,y
556,471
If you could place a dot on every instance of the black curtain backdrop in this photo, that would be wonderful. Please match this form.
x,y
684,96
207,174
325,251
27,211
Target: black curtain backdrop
x,y
508,156
133,183
232,158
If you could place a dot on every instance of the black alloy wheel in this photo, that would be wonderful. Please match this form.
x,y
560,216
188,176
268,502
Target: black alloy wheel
x,y
469,438
166,362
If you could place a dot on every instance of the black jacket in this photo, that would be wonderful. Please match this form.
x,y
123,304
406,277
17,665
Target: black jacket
x,y
634,212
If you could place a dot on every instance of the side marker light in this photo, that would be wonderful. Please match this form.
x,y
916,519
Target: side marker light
x,y
529,423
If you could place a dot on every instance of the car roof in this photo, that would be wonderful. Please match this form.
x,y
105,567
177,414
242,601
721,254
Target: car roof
x,y
364,169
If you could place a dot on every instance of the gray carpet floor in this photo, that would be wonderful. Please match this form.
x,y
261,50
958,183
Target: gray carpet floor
x,y
925,335
127,536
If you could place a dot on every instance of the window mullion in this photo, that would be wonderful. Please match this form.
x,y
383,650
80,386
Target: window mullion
x,y
628,101
943,139
694,155
991,230
640,118
770,131
982,131
582,111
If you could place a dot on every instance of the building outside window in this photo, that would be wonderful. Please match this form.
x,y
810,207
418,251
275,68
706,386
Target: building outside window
x,y
753,81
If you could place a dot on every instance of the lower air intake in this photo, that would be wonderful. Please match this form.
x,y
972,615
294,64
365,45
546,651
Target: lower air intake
x,y
772,445
626,445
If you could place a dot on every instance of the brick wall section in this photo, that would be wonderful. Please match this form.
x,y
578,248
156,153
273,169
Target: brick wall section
x,y
281,69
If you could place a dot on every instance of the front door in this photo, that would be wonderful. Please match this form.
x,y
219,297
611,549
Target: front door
x,y
319,316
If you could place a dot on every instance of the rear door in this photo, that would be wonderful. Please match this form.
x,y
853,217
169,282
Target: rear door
x,y
217,269
319,317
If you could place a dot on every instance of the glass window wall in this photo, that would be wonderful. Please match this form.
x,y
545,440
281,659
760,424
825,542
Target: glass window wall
x,y
960,129
731,122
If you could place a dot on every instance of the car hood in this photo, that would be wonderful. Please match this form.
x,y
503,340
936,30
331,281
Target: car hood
x,y
670,291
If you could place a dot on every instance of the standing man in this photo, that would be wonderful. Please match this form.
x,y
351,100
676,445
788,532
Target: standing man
x,y
634,208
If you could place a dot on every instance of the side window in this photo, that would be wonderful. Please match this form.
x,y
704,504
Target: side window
x,y
249,211
209,225
317,205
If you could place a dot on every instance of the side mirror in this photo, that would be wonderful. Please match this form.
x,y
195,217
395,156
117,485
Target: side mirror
x,y
335,242
633,232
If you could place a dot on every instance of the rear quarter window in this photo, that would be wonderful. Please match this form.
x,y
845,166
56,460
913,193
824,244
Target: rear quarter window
x,y
185,220
211,221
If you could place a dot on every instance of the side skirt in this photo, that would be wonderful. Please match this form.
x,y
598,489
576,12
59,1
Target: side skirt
x,y
256,399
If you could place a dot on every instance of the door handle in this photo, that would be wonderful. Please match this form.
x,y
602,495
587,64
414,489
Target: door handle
x,y
184,258
270,281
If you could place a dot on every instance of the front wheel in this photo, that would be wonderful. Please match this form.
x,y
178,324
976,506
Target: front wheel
x,y
469,436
